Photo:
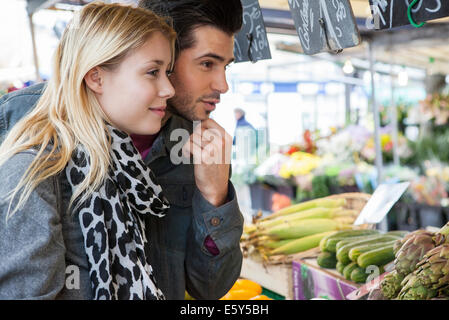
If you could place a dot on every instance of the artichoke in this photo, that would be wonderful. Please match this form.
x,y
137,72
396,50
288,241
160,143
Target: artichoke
x,y
391,284
442,235
399,243
412,251
430,279
376,294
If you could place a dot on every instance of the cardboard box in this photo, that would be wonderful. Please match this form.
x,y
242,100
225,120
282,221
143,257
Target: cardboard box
x,y
310,281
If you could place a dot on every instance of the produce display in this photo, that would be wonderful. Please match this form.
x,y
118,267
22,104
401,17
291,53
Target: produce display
x,y
353,253
421,268
244,289
324,228
298,228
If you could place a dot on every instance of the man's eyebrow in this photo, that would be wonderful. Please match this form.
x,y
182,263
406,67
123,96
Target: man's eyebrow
x,y
215,56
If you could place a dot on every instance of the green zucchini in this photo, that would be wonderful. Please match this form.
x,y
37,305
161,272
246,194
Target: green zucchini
x,y
322,244
340,266
399,233
377,257
331,241
348,270
343,252
360,275
327,260
355,252
354,239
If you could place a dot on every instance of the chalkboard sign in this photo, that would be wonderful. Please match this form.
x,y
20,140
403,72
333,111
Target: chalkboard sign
x,y
393,13
251,43
324,25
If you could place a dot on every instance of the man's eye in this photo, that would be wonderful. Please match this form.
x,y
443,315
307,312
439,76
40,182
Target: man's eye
x,y
207,64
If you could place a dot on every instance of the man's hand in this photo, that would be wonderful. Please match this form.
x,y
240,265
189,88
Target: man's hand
x,y
211,147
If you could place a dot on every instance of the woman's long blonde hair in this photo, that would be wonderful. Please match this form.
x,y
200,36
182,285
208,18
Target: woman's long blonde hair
x,y
68,113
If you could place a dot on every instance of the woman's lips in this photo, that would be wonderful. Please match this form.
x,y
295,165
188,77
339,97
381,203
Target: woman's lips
x,y
160,111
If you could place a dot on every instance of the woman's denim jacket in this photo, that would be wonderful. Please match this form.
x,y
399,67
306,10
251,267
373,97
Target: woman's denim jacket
x,y
41,248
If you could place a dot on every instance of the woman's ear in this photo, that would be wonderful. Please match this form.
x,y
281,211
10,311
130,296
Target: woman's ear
x,y
94,79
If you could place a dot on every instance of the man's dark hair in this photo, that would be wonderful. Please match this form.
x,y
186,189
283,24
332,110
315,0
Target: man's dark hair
x,y
187,15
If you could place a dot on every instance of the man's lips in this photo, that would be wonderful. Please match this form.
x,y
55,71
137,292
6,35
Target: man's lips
x,y
210,104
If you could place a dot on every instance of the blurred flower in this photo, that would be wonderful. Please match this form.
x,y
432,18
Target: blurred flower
x,y
436,107
300,163
428,190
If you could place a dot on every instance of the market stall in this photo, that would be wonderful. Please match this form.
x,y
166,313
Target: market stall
x,y
316,250
405,141
311,173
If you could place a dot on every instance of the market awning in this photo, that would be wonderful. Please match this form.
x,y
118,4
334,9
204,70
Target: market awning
x,y
424,48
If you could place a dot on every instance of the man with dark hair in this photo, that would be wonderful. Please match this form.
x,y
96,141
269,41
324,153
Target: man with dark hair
x,y
195,247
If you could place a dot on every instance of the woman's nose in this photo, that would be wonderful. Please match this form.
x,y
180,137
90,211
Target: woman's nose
x,y
166,90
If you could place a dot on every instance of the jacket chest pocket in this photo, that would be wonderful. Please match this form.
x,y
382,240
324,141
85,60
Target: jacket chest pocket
x,y
179,195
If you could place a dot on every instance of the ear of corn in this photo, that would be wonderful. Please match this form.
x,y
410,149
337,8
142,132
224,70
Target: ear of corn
x,y
259,240
345,220
273,244
324,203
303,228
301,244
249,228
314,213
346,213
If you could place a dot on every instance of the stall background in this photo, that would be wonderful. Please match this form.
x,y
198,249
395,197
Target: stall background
x,y
315,126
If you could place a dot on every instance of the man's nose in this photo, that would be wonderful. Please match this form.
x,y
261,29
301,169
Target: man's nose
x,y
220,83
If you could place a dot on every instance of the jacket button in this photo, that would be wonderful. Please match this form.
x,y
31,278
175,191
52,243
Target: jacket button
x,y
215,221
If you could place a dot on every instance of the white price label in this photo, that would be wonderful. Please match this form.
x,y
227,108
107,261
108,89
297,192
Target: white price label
x,y
380,203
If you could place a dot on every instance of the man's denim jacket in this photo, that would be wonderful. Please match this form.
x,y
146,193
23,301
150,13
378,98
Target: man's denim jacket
x,y
178,255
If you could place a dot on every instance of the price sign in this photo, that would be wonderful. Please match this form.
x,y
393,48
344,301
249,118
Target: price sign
x,y
324,25
251,43
380,203
393,13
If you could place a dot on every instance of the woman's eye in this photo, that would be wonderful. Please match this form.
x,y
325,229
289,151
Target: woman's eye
x,y
153,73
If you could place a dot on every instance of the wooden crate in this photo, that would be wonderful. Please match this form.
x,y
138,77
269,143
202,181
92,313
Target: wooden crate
x,y
276,278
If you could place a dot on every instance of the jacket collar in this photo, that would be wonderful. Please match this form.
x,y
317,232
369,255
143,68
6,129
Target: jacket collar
x,y
168,137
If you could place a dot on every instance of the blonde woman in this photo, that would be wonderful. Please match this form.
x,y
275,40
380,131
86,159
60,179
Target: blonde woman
x,y
75,189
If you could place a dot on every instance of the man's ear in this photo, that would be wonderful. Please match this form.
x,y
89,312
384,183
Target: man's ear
x,y
94,79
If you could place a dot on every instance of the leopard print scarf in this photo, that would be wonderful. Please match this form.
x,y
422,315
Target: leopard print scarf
x,y
112,222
